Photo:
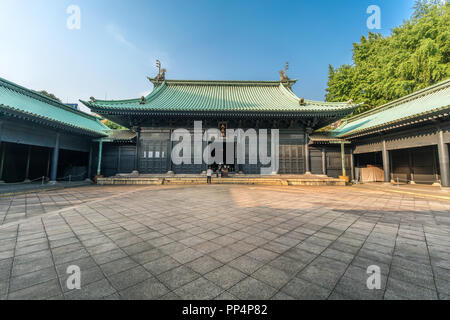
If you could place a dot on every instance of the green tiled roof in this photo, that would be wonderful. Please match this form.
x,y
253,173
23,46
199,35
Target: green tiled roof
x,y
19,101
222,96
430,102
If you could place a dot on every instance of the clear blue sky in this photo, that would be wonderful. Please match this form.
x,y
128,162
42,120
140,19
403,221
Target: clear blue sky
x,y
119,41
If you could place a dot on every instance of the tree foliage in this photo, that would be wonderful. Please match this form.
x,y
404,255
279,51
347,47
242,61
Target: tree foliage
x,y
50,95
415,56
113,125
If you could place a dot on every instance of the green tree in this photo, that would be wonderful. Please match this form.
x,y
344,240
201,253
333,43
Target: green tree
x,y
415,56
50,95
113,125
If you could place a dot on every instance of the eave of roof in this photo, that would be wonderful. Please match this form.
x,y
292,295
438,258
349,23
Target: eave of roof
x,y
19,101
326,138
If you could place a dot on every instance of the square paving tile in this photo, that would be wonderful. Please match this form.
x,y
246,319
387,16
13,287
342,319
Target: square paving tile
x,y
252,289
200,289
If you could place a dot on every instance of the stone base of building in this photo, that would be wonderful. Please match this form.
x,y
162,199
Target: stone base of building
x,y
274,180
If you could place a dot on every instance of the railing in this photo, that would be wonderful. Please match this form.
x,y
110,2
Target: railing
x,y
45,179
70,177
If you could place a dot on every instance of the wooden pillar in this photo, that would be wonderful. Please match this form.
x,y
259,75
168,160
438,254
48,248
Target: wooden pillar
x,y
27,168
352,164
49,161
99,164
344,172
169,153
411,167
119,155
2,160
436,166
307,157
324,162
89,169
443,159
138,152
55,159
2,153
386,164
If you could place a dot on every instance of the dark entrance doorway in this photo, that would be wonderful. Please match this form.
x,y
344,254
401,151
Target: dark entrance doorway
x,y
228,165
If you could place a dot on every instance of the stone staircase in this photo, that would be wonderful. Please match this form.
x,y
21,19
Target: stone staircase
x,y
275,180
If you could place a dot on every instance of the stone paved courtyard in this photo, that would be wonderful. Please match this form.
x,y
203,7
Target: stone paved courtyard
x,y
223,242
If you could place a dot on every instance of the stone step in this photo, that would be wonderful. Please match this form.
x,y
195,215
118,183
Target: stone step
x,y
314,181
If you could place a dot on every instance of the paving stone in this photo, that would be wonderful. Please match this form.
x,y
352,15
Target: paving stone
x,y
288,265
118,266
31,279
321,276
39,291
263,255
94,291
252,289
225,276
358,290
32,266
129,278
303,290
148,256
200,289
204,264
187,255
300,255
409,291
416,278
5,268
109,256
225,254
246,264
137,248
161,265
282,296
275,278
178,277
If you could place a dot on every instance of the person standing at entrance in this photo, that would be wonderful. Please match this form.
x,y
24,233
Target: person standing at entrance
x,y
209,175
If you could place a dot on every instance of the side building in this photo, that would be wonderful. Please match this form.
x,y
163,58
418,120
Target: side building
x,y
407,138
41,137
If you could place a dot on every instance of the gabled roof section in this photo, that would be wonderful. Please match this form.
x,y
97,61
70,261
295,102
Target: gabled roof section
x,y
222,96
18,101
432,102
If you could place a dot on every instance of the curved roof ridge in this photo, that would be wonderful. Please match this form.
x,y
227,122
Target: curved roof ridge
x,y
290,83
289,93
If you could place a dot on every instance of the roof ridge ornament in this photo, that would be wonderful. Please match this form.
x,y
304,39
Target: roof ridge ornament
x,y
283,73
161,77
142,100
